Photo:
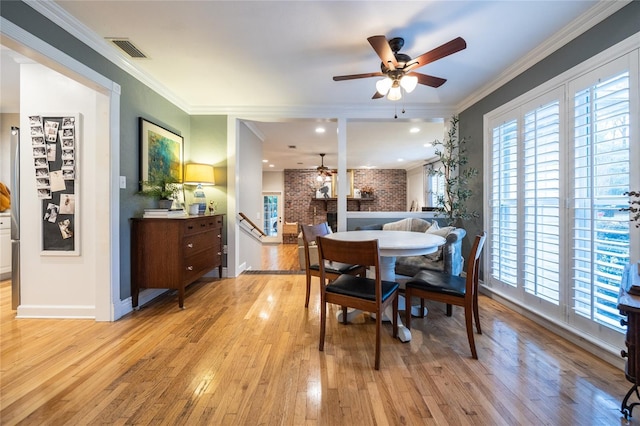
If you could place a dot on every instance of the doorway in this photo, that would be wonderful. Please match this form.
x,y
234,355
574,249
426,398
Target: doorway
x,y
272,217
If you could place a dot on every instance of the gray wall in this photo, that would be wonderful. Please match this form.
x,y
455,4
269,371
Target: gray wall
x,y
614,29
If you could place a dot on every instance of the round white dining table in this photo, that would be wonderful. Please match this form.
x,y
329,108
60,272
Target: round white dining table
x,y
392,244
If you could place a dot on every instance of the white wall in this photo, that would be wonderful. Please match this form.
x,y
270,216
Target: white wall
x,y
249,193
415,187
65,286
273,182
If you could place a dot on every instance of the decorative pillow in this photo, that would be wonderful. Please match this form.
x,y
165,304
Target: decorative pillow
x,y
419,225
443,232
400,225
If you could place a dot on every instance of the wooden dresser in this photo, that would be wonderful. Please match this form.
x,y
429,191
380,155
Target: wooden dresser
x,y
174,252
629,306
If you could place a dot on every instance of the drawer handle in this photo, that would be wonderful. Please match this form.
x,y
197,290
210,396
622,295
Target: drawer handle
x,y
189,268
624,322
202,225
189,227
219,236
190,245
624,353
219,253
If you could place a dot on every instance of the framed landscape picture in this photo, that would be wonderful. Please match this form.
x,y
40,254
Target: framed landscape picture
x,y
160,154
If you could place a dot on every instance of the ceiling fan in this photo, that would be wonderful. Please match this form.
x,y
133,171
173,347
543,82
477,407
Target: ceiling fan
x,y
324,173
398,68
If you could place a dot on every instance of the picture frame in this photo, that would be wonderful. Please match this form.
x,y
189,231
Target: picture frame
x,y
334,184
161,153
324,191
58,181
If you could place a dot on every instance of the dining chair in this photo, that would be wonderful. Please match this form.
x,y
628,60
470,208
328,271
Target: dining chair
x,y
452,290
367,294
312,267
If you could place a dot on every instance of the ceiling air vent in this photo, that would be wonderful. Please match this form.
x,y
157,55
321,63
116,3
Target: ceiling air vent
x,y
127,47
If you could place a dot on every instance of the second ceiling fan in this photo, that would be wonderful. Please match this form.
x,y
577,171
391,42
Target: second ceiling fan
x,y
398,68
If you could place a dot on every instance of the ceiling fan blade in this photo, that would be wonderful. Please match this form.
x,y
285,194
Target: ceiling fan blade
x,y
354,76
382,48
455,45
377,95
428,80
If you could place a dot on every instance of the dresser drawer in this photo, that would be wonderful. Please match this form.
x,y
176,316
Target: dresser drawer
x,y
198,242
198,264
200,224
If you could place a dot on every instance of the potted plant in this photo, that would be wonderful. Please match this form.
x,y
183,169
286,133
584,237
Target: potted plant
x,y
366,191
451,153
163,188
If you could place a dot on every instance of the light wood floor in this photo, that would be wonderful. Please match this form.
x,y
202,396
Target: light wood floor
x,y
245,352
280,257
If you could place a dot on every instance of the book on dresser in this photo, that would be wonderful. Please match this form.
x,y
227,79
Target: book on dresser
x,y
163,213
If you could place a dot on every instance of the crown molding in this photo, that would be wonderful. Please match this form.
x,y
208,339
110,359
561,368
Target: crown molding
x,y
384,111
69,23
598,13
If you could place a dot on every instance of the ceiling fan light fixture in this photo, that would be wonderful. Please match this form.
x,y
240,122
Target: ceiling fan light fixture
x,y
409,82
324,173
395,93
383,86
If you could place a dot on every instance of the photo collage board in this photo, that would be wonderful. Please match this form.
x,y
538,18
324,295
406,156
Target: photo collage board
x,y
54,143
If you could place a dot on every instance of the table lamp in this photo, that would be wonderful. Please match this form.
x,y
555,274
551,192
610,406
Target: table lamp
x,y
199,174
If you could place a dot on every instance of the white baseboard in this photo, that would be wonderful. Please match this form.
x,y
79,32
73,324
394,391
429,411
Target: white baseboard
x,y
56,311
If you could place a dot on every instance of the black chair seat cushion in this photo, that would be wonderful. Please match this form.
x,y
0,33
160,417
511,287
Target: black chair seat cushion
x,y
335,267
439,283
363,288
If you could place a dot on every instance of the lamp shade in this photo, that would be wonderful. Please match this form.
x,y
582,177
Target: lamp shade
x,y
409,82
395,93
383,86
202,174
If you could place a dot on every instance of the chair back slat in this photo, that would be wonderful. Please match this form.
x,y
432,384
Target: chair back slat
x,y
363,253
309,235
473,265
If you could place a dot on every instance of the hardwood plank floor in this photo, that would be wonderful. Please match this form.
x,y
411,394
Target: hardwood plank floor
x,y
280,257
245,352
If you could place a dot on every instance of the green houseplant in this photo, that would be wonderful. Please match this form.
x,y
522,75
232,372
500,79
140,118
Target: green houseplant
x,y
451,153
163,188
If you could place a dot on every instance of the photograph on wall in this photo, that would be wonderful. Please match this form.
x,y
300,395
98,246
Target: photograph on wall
x,y
51,215
160,154
51,152
51,130
67,204
56,180
65,229
324,191
54,142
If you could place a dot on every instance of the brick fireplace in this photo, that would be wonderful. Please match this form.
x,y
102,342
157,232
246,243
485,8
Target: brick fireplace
x,y
390,194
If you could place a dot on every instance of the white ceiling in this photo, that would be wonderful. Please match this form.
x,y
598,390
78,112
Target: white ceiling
x,y
277,58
